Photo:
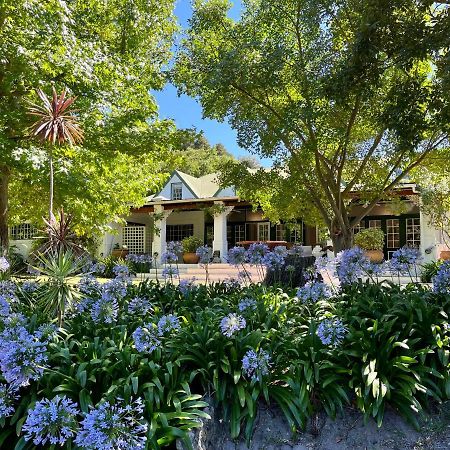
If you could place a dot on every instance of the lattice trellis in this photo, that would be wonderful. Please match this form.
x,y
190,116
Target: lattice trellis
x,y
134,238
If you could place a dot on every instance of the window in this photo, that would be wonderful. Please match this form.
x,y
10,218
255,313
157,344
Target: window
x,y
176,191
280,232
413,232
177,233
239,233
134,238
263,231
358,228
393,233
376,223
296,233
22,232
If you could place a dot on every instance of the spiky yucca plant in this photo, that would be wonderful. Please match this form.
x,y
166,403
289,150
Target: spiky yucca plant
x,y
56,125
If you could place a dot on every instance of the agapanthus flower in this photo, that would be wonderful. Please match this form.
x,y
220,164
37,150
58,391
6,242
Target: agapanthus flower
x,y
169,257
296,250
167,324
169,272
236,256
441,281
8,396
231,283
280,250
114,427
53,421
331,332
121,271
14,320
115,288
145,338
5,307
8,289
139,259
140,306
30,286
4,264
46,332
256,253
313,292
231,324
321,263
404,258
290,268
256,364
204,253
186,286
22,356
351,265
105,310
175,247
89,285
247,303
273,260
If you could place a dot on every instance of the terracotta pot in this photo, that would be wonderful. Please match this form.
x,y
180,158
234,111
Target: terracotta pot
x,y
119,253
190,258
445,255
375,256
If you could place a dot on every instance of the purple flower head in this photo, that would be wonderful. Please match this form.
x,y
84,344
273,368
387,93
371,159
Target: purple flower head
x,y
88,285
404,258
109,427
169,257
313,292
441,281
140,306
273,260
256,364
331,332
170,272
8,290
121,271
281,250
167,324
4,264
5,307
175,247
46,332
114,289
186,286
236,256
351,265
232,283
53,421
30,286
139,259
22,356
204,253
256,253
231,324
105,310
247,304
145,339
8,396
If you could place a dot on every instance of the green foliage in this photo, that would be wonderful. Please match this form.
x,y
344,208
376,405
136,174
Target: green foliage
x,y
429,270
191,244
370,239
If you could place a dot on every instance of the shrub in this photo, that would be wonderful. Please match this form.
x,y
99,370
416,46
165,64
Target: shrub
x,y
191,243
370,239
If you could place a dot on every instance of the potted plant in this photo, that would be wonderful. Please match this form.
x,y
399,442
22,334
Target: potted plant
x,y
119,252
190,245
372,241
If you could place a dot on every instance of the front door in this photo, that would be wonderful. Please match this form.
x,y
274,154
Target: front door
x,y
263,231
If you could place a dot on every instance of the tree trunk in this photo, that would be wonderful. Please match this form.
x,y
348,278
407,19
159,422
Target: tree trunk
x,y
342,240
5,173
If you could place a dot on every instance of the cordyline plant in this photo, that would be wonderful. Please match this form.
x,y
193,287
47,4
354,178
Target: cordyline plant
x,y
56,125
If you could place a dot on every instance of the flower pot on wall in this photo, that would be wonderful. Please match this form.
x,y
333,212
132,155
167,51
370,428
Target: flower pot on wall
x,y
190,258
445,255
375,256
119,253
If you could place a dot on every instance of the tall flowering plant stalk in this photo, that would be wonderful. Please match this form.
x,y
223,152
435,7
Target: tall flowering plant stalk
x,y
204,254
56,125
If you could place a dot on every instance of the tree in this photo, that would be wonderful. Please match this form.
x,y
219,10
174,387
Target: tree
x,y
109,54
344,96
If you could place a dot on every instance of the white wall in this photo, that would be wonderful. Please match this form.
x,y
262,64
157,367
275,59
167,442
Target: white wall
x,y
429,239
197,218
166,191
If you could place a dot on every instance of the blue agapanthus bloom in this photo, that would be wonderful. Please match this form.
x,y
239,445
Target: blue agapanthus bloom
x,y
175,247
231,324
139,259
145,338
114,427
121,271
139,306
247,304
273,260
8,396
404,258
14,320
46,332
167,324
30,286
116,288
8,290
256,364
441,281
105,310
313,292
186,286
204,253
331,332
5,307
51,421
351,265
22,356
256,253
236,256
231,284
89,285
170,272
169,257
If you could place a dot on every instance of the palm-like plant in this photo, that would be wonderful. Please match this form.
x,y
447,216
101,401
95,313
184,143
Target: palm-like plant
x,y
56,125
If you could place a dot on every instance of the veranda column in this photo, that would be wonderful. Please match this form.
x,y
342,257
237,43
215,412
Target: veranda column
x,y
220,242
430,240
159,237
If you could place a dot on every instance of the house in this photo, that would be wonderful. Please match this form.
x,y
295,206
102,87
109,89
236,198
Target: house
x,y
188,206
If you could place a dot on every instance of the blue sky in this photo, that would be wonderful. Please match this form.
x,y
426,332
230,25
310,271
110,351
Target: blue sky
x,y
185,111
